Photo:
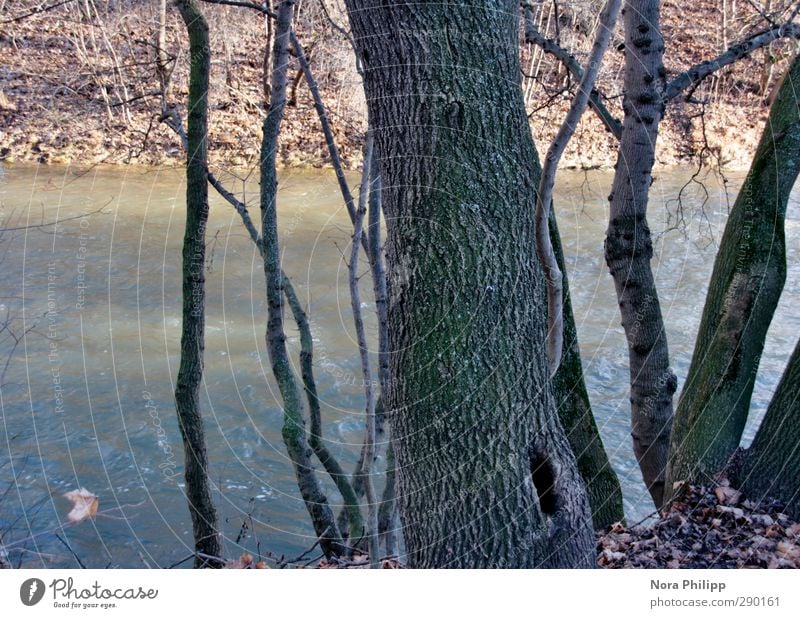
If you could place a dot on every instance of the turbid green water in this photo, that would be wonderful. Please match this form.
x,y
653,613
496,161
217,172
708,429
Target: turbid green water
x,y
87,397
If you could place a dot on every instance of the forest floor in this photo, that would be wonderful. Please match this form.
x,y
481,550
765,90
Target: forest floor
x,y
85,91
706,528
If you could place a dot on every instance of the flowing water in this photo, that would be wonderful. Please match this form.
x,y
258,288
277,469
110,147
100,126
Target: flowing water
x,y
87,397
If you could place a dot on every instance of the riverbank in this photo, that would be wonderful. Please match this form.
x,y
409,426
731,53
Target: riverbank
x,y
711,527
85,91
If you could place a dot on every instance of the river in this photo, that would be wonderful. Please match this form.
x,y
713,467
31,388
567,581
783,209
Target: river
x,y
87,395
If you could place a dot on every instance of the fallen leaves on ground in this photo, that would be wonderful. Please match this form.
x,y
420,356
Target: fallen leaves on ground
x,y
709,527
245,561
357,562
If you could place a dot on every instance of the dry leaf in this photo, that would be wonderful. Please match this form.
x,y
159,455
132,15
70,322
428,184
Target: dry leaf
x,y
245,561
84,504
727,495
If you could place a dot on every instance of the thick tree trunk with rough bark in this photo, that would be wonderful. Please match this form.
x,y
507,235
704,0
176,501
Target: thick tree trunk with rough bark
x,y
485,475
293,432
575,412
628,247
190,374
746,284
769,468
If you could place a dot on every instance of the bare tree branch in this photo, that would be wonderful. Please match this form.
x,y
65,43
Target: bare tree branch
x,y
261,8
740,50
37,11
533,36
544,248
355,301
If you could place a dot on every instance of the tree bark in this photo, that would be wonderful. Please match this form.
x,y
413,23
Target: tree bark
x,y
746,284
544,247
768,469
485,474
575,413
340,478
205,525
294,434
628,246
361,338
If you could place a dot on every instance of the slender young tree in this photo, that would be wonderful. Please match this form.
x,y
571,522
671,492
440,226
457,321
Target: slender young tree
x,y
294,433
575,413
485,474
207,540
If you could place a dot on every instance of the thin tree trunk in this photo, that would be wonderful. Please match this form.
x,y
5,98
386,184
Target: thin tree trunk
x,y
769,468
746,284
294,434
544,248
361,338
387,513
332,466
163,68
628,246
575,413
485,474
205,525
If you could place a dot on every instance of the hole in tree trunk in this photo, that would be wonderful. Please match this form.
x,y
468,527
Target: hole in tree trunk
x,y
544,479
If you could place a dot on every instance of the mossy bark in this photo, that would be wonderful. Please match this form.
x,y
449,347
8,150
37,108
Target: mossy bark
x,y
485,474
746,284
293,431
769,468
351,506
205,525
575,413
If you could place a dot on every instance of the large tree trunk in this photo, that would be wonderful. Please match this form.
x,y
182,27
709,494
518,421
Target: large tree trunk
x,y
190,374
293,431
575,412
745,287
769,468
486,477
628,247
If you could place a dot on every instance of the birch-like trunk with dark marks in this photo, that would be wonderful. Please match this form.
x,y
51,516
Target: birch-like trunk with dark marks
x,y
485,474
628,246
745,287
207,541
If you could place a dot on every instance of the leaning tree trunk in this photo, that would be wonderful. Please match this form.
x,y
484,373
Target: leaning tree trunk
x,y
485,474
293,431
628,247
746,284
207,541
575,412
769,468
